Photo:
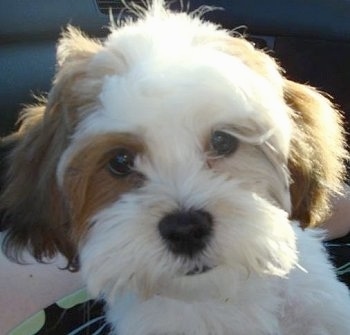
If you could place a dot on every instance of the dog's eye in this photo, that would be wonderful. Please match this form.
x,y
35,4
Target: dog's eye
x,y
122,162
223,143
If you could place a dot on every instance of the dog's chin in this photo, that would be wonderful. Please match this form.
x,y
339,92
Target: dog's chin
x,y
206,284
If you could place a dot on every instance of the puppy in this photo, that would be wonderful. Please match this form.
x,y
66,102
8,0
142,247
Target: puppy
x,y
181,171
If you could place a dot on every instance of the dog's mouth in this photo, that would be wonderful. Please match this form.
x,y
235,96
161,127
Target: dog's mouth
x,y
198,270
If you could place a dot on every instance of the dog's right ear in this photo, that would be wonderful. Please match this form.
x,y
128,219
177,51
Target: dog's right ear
x,y
35,215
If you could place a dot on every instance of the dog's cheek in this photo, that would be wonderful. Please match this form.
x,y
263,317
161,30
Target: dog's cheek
x,y
88,194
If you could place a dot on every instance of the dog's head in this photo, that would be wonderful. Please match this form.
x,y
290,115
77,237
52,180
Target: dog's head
x,y
169,150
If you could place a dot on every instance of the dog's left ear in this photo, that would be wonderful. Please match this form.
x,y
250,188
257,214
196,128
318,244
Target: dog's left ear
x,y
318,154
36,216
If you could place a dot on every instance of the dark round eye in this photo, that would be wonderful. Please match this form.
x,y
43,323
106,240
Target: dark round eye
x,y
122,162
223,143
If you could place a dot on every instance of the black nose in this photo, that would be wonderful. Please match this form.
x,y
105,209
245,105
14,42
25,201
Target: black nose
x,y
186,233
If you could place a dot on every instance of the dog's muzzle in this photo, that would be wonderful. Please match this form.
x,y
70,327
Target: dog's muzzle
x,y
186,233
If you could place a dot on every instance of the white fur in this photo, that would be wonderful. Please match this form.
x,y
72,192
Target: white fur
x,y
176,86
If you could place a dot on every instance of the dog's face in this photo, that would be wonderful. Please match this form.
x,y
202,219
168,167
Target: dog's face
x,y
162,157
183,156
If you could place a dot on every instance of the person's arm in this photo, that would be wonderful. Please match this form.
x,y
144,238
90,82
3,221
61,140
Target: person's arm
x,y
338,224
26,289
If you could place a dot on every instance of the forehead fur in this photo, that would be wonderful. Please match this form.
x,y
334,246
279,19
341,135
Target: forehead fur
x,y
166,53
162,52
165,35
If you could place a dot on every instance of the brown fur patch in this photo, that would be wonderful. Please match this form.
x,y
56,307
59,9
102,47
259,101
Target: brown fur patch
x,y
89,185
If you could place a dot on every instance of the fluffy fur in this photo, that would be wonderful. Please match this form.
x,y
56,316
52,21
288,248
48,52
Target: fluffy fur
x,y
159,87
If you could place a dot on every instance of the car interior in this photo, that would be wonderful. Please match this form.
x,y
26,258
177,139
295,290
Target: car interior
x,y
310,39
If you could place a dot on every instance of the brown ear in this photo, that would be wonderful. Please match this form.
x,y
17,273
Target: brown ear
x,y
317,153
36,217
